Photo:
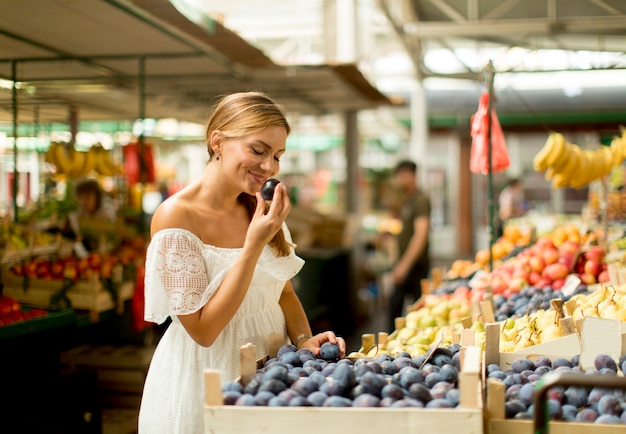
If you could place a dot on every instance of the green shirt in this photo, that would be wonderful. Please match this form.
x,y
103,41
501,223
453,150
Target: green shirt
x,y
416,205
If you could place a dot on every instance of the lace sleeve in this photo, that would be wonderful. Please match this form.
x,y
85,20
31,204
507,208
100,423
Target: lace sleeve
x,y
177,280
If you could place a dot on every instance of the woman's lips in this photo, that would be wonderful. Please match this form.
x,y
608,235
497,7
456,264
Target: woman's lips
x,y
260,179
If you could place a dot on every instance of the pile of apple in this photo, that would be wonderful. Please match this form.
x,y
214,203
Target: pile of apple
x,y
544,264
96,264
11,311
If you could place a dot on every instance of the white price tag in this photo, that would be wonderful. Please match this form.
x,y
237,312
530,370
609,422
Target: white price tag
x,y
572,282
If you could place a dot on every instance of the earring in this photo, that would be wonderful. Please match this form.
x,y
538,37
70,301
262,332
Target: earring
x,y
217,157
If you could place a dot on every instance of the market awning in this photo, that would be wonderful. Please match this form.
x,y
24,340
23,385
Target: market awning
x,y
97,55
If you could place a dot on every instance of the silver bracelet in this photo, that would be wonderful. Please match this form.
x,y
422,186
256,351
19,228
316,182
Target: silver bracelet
x,y
300,337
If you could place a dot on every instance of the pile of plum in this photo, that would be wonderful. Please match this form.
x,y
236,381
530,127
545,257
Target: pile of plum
x,y
297,378
571,403
529,300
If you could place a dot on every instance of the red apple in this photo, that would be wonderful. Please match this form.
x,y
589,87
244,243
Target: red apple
x,y
550,256
94,260
542,283
567,261
593,267
588,279
537,264
595,253
498,284
604,277
545,243
56,269
533,278
517,283
18,270
570,246
30,269
521,274
556,271
558,284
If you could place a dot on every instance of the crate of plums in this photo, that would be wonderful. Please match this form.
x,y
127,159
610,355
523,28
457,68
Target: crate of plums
x,y
564,391
292,390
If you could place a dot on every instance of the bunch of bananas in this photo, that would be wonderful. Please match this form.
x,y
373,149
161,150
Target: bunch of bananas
x,y
568,165
76,164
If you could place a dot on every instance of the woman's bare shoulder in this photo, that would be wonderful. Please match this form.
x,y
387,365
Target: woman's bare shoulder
x,y
173,212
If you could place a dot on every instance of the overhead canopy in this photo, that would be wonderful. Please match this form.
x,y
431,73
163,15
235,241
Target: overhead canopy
x,y
97,55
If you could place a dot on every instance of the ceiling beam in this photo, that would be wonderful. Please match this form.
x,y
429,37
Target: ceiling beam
x,y
412,46
448,11
607,7
177,34
501,9
545,26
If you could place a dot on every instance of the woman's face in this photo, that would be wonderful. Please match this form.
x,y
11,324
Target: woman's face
x,y
250,160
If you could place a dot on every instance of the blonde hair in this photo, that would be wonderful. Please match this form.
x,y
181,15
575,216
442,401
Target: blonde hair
x,y
240,114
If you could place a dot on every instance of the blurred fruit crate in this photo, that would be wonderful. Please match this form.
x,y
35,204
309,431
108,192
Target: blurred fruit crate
x,y
467,419
496,423
88,295
52,320
121,371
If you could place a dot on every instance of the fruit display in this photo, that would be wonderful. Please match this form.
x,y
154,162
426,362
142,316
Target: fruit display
x,y
543,325
20,242
568,165
435,316
564,403
75,164
296,378
11,311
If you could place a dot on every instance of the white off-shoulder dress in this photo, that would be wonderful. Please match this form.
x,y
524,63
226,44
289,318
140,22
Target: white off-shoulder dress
x,y
181,274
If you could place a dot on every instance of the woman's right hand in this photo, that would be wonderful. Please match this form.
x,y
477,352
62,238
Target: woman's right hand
x,y
264,226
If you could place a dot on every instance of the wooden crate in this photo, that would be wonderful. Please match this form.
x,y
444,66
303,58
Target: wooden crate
x,y
495,419
121,371
88,295
468,419
496,423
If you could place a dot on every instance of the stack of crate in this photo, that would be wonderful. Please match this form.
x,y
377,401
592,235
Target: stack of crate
x,y
121,372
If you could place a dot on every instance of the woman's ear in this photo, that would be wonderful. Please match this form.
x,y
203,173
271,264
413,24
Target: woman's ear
x,y
215,142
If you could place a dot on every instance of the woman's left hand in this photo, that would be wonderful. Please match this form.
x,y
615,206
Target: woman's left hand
x,y
316,342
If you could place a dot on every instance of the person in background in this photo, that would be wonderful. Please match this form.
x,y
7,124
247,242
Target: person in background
x,y
93,218
510,204
219,265
413,262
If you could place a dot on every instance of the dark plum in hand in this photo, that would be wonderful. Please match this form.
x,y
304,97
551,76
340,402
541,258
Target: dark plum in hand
x,y
268,187
330,351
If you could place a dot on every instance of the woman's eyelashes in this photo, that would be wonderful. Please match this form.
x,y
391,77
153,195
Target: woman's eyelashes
x,y
262,152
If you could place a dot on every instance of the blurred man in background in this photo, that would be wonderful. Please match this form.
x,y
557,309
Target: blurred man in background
x,y
413,262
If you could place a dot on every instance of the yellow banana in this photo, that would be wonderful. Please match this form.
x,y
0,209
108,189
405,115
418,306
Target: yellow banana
x,y
78,160
49,155
104,164
581,178
572,164
557,150
609,161
62,159
540,160
560,181
617,149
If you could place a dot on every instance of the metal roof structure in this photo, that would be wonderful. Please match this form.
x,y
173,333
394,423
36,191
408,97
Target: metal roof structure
x,y
127,59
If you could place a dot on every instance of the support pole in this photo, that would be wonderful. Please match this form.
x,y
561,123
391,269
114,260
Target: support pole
x,y
15,114
490,198
141,142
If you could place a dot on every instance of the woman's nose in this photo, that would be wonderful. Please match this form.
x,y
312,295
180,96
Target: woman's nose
x,y
270,165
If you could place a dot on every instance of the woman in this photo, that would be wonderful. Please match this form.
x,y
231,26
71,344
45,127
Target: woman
x,y
219,265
